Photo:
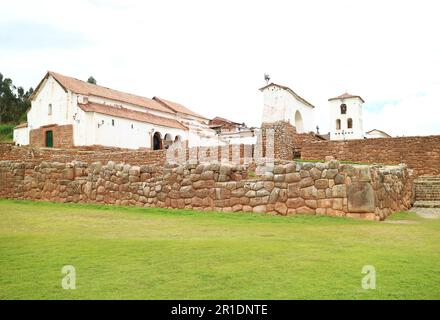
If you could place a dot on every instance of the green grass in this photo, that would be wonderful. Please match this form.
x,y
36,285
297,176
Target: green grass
x,y
136,253
6,132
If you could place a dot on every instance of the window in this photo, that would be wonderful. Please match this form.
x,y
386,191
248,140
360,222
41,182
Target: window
x,y
338,124
113,122
343,108
49,109
350,123
132,126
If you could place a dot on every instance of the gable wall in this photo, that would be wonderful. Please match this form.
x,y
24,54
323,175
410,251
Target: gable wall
x,y
50,93
280,105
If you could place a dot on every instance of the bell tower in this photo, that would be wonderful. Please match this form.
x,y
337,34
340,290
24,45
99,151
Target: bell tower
x,y
346,117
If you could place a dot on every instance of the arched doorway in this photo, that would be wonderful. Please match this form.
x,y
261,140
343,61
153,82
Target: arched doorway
x,y
167,140
178,141
157,141
299,122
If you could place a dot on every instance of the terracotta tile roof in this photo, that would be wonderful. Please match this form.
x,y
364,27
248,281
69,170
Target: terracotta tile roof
x,y
21,125
85,88
177,107
131,114
346,96
220,119
290,91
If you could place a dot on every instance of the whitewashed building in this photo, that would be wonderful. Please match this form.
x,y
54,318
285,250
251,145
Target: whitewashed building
x,y
346,117
67,112
375,133
282,104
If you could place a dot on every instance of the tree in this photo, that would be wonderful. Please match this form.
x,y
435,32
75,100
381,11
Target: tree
x,y
14,102
91,80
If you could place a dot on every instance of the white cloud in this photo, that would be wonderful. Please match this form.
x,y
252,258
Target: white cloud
x,y
415,114
211,55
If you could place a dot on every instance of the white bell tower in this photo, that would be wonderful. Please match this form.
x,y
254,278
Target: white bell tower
x,y
346,117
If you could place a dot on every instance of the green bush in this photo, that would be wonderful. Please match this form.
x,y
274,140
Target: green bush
x,y
6,132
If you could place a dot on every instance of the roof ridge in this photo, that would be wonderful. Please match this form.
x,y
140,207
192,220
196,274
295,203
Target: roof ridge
x,y
346,95
290,90
177,107
82,87
98,85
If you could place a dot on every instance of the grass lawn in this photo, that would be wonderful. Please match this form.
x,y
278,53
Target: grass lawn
x,y
134,253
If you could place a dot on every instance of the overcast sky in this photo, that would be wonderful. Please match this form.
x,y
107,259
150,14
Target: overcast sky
x,y
211,55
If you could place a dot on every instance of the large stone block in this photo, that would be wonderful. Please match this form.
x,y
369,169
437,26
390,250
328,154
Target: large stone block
x,y
260,209
321,183
293,190
295,203
293,177
315,173
361,197
306,182
309,193
281,208
339,191
305,210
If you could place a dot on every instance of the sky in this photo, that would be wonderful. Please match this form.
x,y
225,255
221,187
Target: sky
x,y
212,55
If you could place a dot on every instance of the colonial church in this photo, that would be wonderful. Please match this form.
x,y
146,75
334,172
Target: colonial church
x,y
67,112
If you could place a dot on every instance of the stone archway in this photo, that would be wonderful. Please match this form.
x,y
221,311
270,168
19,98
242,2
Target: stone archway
x,y
299,125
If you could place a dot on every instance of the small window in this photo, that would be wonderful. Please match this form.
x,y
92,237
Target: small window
x,y
132,126
113,122
49,109
343,108
338,124
350,123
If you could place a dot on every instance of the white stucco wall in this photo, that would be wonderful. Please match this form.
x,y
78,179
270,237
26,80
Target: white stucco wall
x,y
280,104
122,135
50,93
354,111
21,136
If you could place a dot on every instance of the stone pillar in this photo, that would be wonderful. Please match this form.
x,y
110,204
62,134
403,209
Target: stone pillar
x,y
283,143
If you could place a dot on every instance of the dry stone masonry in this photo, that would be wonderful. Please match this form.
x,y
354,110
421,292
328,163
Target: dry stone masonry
x,y
422,154
287,188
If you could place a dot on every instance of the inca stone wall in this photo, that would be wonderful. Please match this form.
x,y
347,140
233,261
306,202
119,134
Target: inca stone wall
x,y
422,154
287,188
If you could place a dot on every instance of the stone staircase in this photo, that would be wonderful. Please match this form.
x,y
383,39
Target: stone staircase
x,y
427,192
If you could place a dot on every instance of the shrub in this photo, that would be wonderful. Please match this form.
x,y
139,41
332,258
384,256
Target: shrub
x,y
6,132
